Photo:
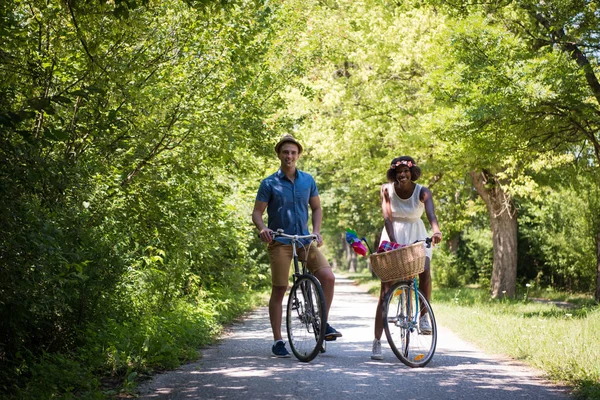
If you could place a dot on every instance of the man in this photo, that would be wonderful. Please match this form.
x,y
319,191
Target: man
x,y
286,195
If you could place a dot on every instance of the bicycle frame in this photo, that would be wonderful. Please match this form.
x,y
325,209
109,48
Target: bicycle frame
x,y
411,321
307,309
294,242
297,271
415,288
306,291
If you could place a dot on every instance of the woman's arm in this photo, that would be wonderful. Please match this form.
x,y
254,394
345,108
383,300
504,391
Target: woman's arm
x,y
386,208
427,198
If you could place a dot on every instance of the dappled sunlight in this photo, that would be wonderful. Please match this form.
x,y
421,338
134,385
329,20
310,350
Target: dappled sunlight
x,y
347,365
242,366
241,372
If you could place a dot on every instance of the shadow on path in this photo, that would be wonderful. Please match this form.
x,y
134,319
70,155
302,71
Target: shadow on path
x,y
241,367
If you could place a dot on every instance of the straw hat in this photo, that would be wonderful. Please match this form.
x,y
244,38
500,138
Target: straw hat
x,y
287,138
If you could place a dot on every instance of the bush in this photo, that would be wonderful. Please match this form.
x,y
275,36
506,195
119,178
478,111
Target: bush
x,y
445,269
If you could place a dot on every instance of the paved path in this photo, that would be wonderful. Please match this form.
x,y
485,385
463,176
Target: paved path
x,y
241,367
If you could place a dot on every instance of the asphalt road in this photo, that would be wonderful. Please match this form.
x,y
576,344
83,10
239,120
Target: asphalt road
x,y
241,366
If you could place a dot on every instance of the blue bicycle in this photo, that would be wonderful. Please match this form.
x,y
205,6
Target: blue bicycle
x,y
408,319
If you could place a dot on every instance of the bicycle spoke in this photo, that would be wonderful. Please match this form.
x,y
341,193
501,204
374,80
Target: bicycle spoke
x,y
412,344
305,311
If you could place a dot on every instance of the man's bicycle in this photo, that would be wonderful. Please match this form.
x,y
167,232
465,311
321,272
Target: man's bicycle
x,y
306,314
408,319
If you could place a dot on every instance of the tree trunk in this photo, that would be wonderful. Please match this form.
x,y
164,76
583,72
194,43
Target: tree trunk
x,y
350,257
339,254
453,243
334,263
503,221
598,265
353,262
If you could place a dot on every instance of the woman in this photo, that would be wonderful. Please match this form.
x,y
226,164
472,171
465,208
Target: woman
x,y
403,202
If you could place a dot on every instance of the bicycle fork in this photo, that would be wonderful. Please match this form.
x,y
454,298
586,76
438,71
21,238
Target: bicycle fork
x,y
407,316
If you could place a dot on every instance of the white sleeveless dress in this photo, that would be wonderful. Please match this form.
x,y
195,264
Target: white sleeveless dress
x,y
406,218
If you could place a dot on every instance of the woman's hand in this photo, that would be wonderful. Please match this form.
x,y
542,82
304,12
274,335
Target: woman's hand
x,y
436,238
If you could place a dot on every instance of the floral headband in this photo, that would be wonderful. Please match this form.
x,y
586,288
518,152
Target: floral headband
x,y
409,164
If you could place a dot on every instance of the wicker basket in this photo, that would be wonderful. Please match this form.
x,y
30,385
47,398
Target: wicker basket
x,y
399,264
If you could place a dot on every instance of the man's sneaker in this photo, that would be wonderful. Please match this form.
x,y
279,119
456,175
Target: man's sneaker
x,y
376,355
331,334
425,325
279,350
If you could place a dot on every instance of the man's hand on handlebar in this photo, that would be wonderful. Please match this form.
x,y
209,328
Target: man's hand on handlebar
x,y
319,239
266,235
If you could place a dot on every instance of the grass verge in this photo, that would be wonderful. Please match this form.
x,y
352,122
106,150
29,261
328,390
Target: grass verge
x,y
119,354
556,333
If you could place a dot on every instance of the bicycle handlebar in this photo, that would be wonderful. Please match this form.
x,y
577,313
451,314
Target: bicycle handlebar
x,y
280,232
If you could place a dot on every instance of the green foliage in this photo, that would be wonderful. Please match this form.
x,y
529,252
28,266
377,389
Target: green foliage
x,y
59,373
127,349
445,271
533,332
459,92
126,183
358,109
135,134
470,263
475,253
557,234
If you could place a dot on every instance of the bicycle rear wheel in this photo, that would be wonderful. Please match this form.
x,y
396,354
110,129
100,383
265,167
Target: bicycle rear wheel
x,y
306,314
412,344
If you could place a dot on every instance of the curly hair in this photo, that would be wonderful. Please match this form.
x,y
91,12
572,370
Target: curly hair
x,y
415,171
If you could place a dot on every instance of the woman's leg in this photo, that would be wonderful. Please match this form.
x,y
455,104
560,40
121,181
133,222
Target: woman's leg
x,y
425,280
425,283
378,319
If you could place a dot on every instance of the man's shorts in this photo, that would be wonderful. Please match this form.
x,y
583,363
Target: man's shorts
x,y
280,257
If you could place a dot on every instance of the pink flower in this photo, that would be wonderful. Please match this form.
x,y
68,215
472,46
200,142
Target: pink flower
x,y
409,164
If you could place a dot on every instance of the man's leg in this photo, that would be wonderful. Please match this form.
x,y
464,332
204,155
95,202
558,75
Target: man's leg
x,y
276,310
280,257
327,279
321,269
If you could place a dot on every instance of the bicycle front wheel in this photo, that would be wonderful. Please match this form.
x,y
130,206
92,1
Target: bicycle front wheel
x,y
409,327
306,318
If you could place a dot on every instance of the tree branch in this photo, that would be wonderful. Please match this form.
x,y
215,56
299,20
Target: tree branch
x,y
572,49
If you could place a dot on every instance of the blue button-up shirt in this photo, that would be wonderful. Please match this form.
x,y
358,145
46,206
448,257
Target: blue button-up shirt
x,y
287,207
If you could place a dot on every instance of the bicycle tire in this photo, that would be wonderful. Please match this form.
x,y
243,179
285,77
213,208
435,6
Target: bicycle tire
x,y
306,314
412,345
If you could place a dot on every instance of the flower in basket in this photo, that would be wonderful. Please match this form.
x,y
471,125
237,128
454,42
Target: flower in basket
x,y
387,246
